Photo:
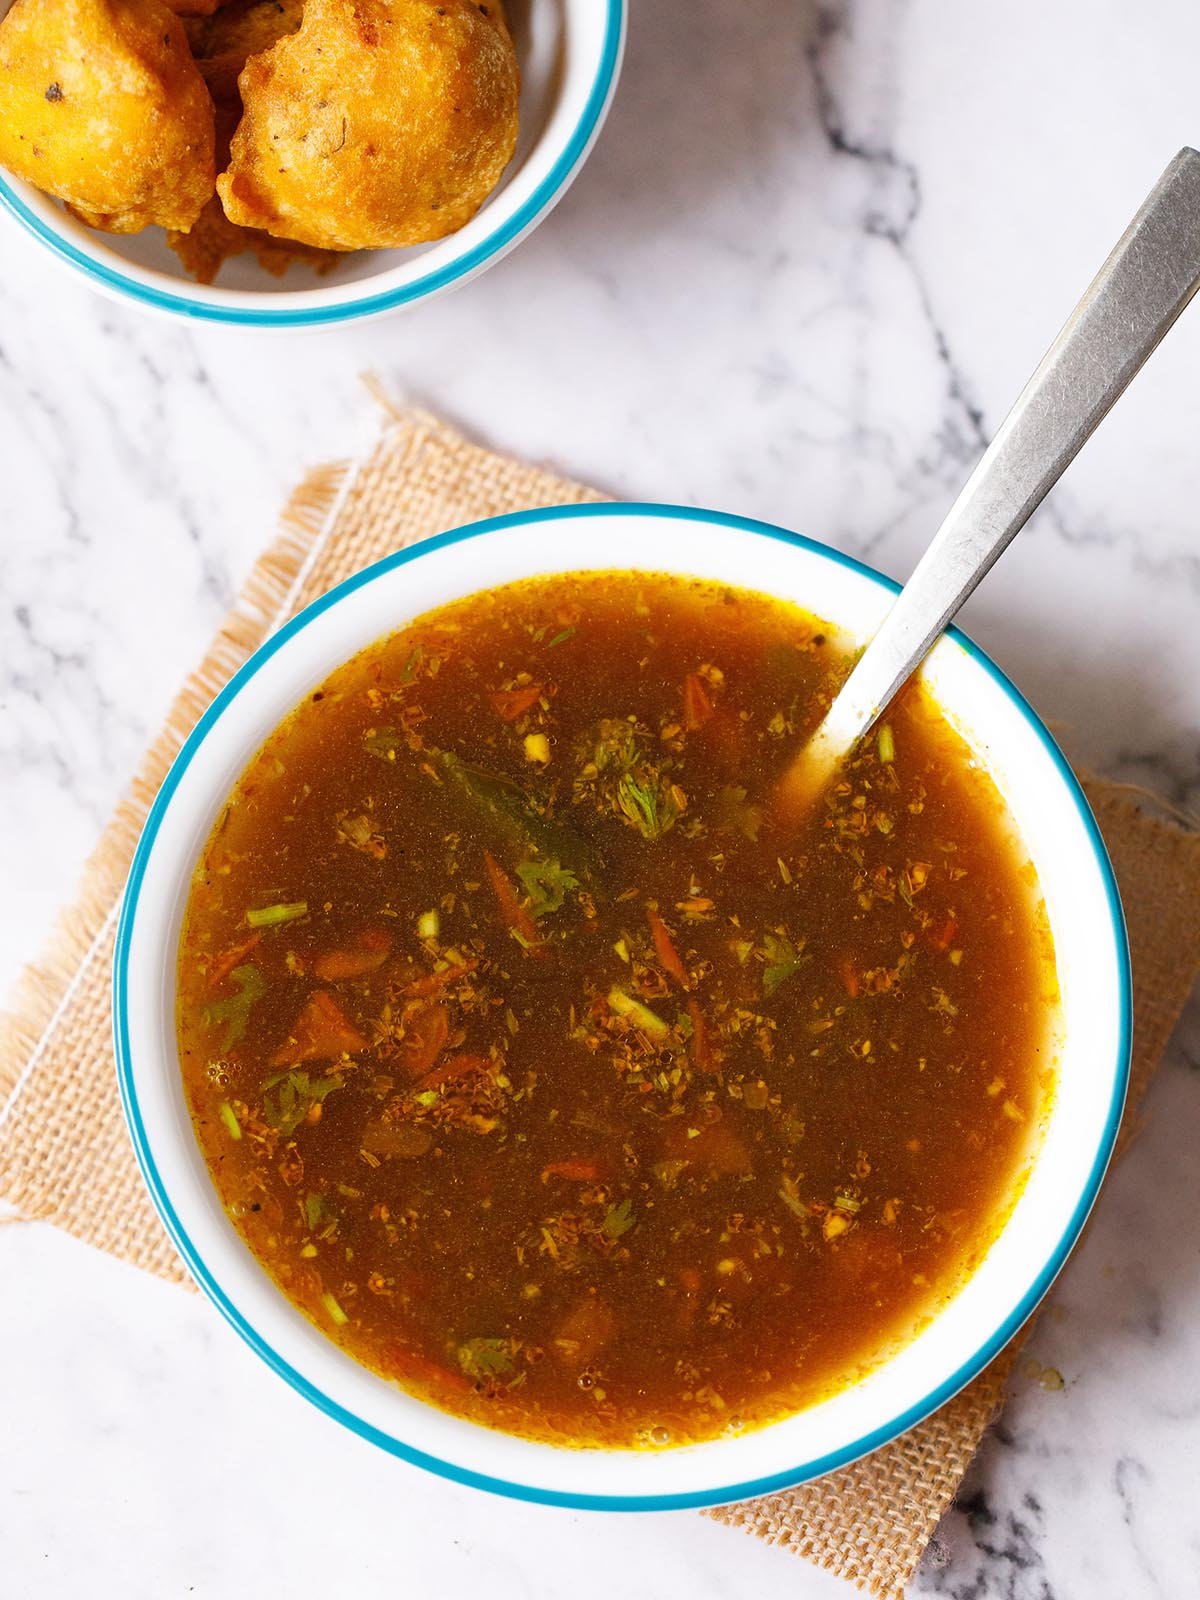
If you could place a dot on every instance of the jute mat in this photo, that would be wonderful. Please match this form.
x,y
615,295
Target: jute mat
x,y
64,1155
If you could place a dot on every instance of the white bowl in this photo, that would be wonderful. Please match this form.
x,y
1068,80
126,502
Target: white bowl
x,y
570,53
1058,831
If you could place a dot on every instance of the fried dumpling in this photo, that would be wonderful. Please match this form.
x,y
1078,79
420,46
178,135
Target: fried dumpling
x,y
380,123
102,105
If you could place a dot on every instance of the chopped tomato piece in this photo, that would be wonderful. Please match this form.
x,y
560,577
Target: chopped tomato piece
x,y
697,704
514,914
224,964
458,1066
704,1057
437,980
848,973
425,1037
386,1139
668,957
364,954
715,1147
579,1169
583,1332
411,1367
321,1032
942,938
511,703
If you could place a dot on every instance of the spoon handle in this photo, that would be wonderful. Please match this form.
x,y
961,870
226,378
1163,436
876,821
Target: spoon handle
x,y
1132,302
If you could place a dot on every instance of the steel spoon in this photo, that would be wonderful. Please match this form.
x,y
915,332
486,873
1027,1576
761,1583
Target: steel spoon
x,y
1132,302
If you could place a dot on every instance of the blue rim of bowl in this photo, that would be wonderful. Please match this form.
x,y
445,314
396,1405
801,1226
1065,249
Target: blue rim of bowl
x,y
551,188
726,1493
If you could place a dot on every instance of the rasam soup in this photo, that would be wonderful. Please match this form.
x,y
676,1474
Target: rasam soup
x,y
555,1080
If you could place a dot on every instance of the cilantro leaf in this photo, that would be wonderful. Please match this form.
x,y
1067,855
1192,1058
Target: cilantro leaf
x,y
618,1219
234,1010
784,960
491,1360
384,743
546,883
735,815
295,1095
317,1212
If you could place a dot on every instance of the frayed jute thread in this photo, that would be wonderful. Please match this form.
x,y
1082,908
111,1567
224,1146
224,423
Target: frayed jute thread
x,y
64,1152
46,989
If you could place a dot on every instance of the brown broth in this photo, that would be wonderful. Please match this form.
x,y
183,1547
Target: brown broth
x,y
555,1081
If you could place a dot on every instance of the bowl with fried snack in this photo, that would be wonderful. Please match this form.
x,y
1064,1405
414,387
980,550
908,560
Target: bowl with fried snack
x,y
292,163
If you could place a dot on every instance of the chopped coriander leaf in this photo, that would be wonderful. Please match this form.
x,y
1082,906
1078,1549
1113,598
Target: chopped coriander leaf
x,y
783,958
234,1010
618,1219
735,814
483,1359
546,883
317,1212
615,771
289,1097
412,666
385,744
513,814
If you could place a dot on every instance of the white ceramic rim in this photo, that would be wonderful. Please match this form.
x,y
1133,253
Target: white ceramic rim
x,y
596,31
1081,898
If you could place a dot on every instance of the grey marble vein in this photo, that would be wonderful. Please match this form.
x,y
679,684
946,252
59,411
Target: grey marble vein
x,y
816,254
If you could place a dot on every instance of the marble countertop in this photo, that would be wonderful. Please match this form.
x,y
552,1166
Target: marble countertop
x,y
816,253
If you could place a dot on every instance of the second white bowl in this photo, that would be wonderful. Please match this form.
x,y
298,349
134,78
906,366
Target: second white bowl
x,y
570,53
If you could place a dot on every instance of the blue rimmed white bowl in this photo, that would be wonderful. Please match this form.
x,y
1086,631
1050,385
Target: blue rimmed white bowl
x,y
1054,824
570,53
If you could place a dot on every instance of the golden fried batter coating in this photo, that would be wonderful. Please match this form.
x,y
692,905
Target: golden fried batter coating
x,y
195,8
222,43
102,105
381,123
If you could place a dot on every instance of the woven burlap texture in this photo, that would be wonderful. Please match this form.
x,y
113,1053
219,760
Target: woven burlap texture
x,y
64,1153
